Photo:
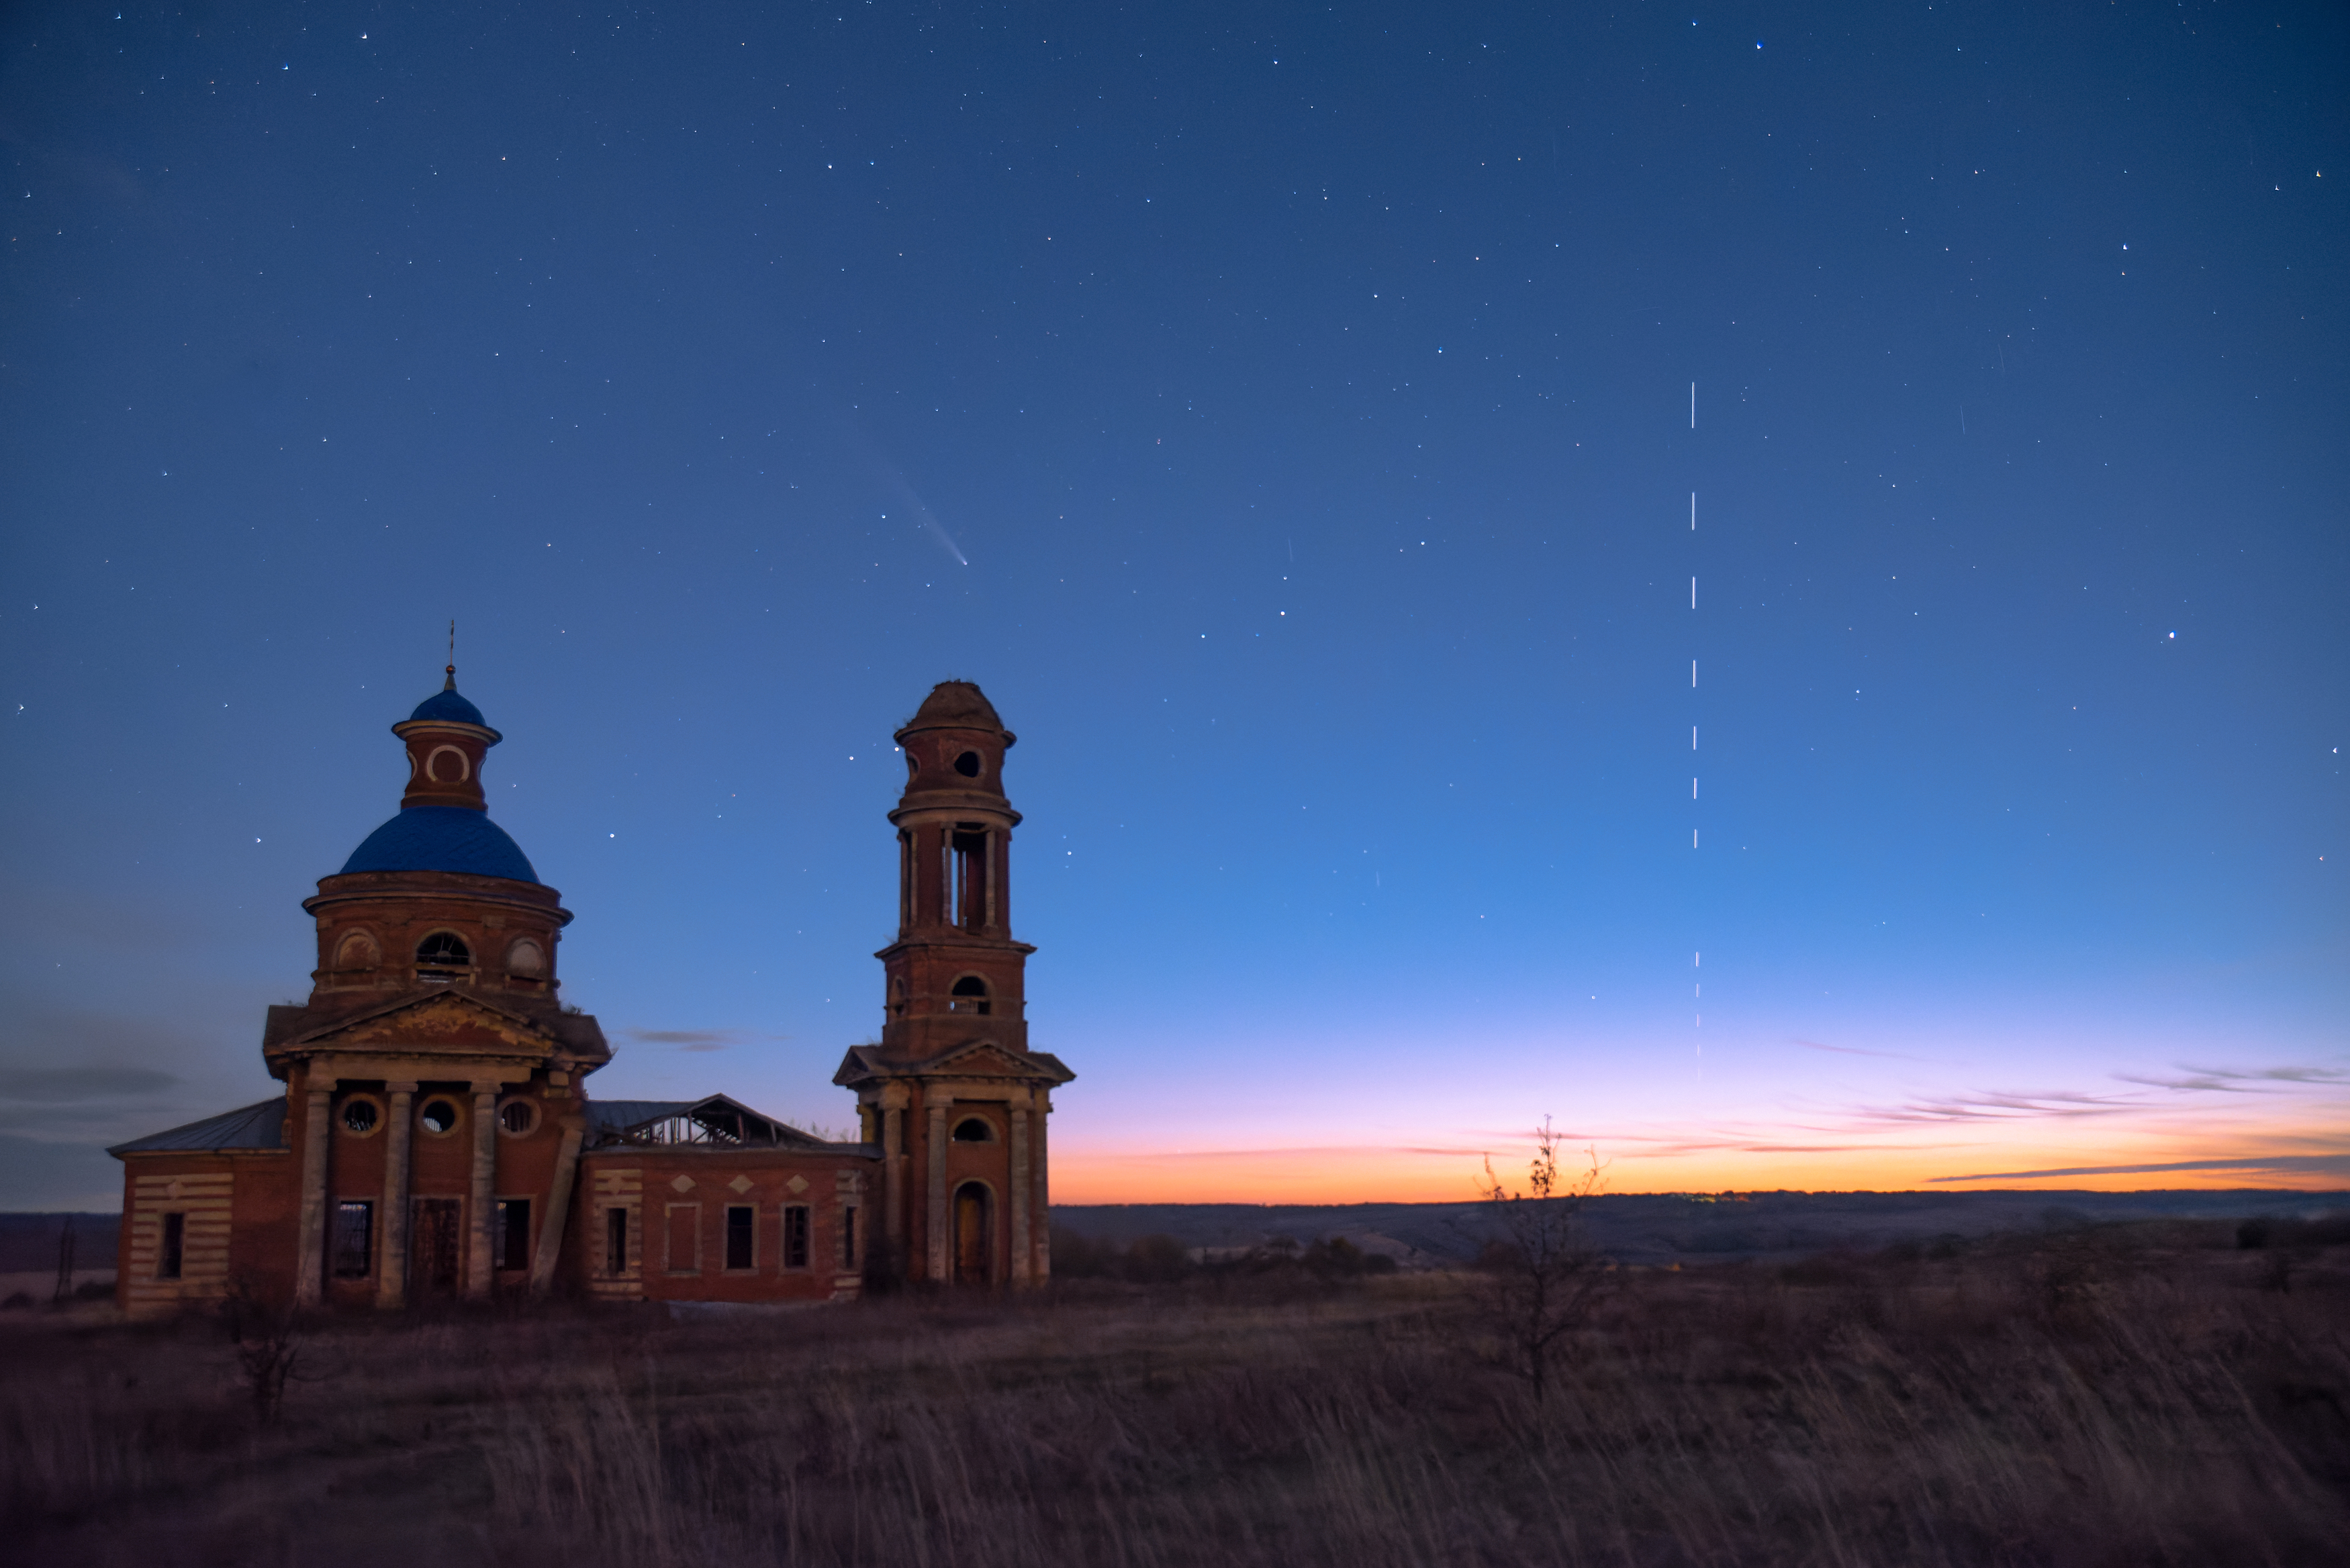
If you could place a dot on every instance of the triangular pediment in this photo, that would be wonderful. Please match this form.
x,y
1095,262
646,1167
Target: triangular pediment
x,y
972,1059
981,1061
444,1019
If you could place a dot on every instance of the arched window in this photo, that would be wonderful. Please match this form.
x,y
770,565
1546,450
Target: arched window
x,y
357,951
440,955
969,996
526,962
971,1129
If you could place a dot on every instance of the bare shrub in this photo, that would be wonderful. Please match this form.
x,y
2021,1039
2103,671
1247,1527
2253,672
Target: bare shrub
x,y
1540,1277
268,1344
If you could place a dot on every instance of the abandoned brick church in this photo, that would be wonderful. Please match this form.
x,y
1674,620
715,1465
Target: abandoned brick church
x,y
436,1136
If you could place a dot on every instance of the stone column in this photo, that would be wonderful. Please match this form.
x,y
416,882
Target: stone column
x,y
1001,881
1020,1185
1041,1188
893,1178
991,872
558,1207
310,1245
480,1264
940,1239
391,1268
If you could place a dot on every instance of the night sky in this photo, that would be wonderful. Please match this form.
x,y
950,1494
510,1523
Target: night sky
x,y
1283,414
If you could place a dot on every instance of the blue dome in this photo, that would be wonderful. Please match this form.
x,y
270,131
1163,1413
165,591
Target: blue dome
x,y
450,709
442,838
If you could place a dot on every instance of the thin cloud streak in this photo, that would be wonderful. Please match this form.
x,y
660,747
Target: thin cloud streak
x,y
1856,1050
693,1040
2318,1163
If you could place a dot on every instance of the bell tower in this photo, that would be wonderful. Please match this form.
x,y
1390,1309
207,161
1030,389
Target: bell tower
x,y
955,973
950,1090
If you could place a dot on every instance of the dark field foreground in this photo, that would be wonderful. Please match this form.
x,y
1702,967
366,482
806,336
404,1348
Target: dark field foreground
x,y
2127,1397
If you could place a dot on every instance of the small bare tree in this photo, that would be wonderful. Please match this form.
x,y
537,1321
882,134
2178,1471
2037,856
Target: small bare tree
x,y
1541,1276
268,1345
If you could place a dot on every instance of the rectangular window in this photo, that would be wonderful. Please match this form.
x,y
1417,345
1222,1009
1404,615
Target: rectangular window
x,y
848,1238
684,1238
513,1232
795,1237
175,1236
741,1251
615,1241
354,1239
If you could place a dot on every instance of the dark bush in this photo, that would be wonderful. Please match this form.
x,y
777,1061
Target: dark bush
x,y
1495,1256
1155,1261
1837,1267
1147,1261
1077,1257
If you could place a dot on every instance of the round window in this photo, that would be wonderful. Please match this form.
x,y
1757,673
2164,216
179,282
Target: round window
x,y
362,1118
516,1118
438,1117
967,764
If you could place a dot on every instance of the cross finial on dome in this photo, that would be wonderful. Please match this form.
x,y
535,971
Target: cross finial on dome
x,y
451,684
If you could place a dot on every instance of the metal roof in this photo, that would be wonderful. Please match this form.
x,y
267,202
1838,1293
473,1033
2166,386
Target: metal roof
x,y
442,838
255,1127
446,706
714,1121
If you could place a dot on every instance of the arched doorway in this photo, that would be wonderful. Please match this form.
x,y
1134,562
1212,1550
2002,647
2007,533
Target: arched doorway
x,y
972,1251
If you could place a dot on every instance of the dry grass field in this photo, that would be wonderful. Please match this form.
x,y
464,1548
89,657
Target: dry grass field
x,y
2132,1395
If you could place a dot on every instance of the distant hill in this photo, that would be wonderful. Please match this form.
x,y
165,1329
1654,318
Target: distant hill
x,y
29,1241
1640,1228
1661,1227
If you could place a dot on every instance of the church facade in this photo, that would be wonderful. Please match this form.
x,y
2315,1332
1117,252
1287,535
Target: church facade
x,y
436,1137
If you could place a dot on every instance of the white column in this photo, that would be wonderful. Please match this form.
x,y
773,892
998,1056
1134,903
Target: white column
x,y
893,1176
941,1240
392,1262
1042,1191
558,1207
480,1263
311,1249
1020,1184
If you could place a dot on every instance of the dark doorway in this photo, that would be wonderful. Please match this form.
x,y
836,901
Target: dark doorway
x,y
615,1241
971,1248
434,1249
513,1233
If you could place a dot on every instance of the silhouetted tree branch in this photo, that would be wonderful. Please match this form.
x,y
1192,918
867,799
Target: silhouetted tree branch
x,y
1540,1277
